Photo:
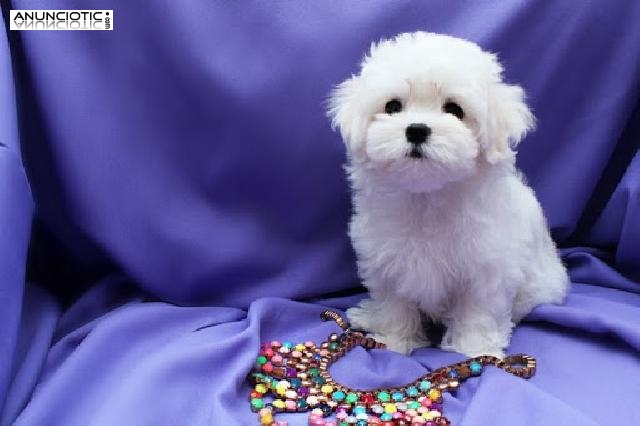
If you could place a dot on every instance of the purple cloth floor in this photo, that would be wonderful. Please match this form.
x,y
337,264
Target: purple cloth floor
x,y
188,202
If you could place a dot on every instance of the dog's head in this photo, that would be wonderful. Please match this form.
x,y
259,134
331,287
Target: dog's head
x,y
427,109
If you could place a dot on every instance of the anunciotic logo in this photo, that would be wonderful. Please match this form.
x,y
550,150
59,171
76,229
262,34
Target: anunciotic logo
x,y
61,20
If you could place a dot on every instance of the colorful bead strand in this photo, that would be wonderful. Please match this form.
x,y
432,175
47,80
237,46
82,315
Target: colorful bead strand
x,y
295,378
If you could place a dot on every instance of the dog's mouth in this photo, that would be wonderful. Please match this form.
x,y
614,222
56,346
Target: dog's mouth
x,y
415,153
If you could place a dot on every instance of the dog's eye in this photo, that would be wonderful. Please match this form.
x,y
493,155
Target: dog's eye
x,y
393,106
453,108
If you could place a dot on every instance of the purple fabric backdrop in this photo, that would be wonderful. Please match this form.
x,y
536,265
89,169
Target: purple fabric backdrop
x,y
15,218
184,159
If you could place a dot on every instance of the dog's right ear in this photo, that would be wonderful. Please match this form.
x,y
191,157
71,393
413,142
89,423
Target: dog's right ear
x,y
345,115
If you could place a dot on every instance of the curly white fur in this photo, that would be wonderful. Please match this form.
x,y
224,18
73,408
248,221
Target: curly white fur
x,y
455,235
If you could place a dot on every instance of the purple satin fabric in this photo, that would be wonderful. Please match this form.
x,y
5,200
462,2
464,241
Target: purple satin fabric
x,y
186,161
16,208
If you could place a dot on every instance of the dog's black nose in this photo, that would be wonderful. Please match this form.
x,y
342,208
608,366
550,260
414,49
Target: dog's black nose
x,y
417,133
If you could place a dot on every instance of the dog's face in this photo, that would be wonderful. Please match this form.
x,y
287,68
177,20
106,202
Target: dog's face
x,y
427,109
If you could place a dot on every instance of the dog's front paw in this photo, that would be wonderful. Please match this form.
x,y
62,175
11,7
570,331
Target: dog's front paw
x,y
402,345
473,345
395,325
360,317
472,353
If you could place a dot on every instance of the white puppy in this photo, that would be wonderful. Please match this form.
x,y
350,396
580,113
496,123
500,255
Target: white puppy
x,y
444,225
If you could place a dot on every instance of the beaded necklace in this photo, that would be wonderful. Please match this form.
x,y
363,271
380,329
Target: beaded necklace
x,y
295,378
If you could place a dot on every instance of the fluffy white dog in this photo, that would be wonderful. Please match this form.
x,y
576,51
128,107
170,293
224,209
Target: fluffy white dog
x,y
444,226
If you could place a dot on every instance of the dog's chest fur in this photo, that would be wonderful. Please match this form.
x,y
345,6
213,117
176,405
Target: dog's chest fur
x,y
433,244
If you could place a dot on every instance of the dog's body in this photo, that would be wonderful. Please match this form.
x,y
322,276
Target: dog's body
x,y
443,224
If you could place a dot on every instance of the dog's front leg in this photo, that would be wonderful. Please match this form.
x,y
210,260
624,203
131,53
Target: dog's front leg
x,y
392,320
476,326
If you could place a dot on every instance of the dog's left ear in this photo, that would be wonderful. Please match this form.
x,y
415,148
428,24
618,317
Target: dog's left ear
x,y
344,115
508,121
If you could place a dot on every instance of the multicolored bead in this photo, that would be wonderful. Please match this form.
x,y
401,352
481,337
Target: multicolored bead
x,y
434,394
351,398
384,396
326,410
326,389
291,394
413,405
318,380
390,408
266,420
425,385
256,403
367,399
359,409
338,396
397,396
476,368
